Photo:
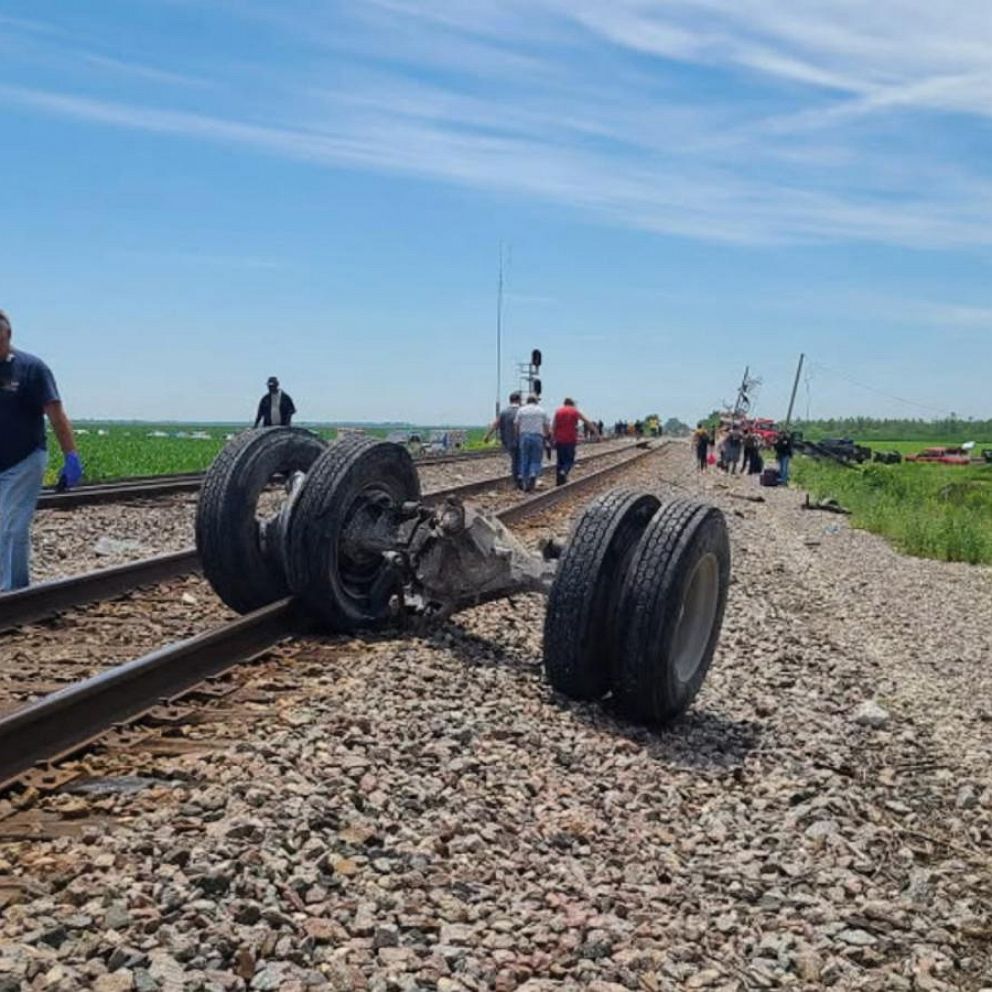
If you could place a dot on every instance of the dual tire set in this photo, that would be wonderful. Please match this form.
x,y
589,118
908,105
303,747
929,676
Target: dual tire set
x,y
634,611
350,485
637,603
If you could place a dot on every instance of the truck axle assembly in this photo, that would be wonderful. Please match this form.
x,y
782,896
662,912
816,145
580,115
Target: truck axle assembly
x,y
635,598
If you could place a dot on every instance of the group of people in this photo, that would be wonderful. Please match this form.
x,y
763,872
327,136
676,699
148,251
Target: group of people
x,y
629,428
737,447
527,432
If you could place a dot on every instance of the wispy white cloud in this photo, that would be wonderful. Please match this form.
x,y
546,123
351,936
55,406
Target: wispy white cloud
x,y
48,45
28,25
581,104
136,69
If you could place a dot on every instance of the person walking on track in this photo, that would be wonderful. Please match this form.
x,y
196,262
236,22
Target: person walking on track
x,y
565,435
275,408
532,429
504,424
27,395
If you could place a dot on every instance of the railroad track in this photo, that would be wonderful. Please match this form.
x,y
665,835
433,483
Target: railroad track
x,y
62,723
157,487
47,599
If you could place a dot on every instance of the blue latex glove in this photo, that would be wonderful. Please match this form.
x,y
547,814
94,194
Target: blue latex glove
x,y
72,471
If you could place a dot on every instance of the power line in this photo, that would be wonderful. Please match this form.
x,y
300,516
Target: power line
x,y
880,392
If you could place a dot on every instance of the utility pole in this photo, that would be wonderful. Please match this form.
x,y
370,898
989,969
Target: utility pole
x,y
795,386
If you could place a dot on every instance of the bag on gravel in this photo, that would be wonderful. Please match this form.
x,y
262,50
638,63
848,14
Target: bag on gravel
x,y
769,477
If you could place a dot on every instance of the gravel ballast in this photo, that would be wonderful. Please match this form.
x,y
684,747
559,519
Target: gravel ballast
x,y
424,813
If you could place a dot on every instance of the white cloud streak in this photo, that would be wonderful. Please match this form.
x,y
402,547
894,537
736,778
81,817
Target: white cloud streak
x,y
582,104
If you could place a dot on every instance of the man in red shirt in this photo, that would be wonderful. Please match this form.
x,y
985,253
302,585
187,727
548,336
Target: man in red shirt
x,y
565,434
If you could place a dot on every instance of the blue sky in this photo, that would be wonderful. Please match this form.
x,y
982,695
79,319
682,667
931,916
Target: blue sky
x,y
198,194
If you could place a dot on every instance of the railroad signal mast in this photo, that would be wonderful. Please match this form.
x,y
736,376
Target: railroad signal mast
x,y
529,373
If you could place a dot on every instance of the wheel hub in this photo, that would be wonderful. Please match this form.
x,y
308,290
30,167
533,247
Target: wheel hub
x,y
696,615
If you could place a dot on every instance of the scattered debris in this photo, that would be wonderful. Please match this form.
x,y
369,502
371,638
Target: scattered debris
x,y
870,714
112,546
827,505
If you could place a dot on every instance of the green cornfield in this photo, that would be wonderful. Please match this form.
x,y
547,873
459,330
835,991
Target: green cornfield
x,y
930,511
116,450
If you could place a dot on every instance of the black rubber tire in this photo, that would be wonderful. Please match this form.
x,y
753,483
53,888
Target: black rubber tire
x,y
649,683
226,529
346,469
579,633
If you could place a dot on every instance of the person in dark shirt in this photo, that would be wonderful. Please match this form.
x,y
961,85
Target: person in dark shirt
x,y
783,452
504,425
753,462
732,448
27,394
275,408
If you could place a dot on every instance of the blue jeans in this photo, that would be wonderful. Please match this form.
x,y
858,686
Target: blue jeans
x,y
20,486
783,469
565,460
514,454
531,457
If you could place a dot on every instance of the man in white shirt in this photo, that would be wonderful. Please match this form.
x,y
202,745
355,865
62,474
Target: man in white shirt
x,y
532,427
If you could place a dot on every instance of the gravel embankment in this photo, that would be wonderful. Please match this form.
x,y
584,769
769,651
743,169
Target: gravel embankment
x,y
69,542
423,813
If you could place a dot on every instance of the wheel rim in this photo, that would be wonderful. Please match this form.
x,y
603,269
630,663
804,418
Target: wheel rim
x,y
697,613
368,531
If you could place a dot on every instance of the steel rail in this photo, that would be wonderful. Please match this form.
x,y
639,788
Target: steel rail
x,y
64,722
46,599
117,492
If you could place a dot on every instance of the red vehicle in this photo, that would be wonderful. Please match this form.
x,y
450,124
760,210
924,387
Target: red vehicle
x,y
942,456
764,428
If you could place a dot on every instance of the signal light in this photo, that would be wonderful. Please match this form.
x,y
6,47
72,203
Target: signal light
x,y
535,358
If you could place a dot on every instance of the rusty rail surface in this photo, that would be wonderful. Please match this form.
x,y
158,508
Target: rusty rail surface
x,y
47,599
65,721
69,720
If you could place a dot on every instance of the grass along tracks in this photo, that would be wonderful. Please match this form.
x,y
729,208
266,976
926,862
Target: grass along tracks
x,y
929,511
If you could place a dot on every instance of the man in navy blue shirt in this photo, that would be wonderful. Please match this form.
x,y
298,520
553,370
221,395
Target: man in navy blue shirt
x,y
27,394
